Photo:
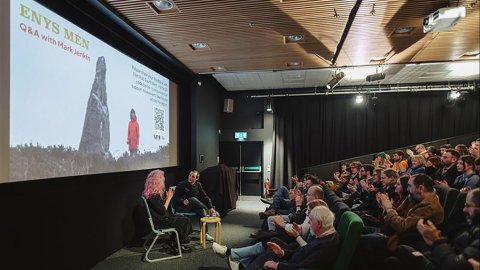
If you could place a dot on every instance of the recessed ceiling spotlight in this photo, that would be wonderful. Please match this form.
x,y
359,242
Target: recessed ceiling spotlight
x,y
218,68
294,38
403,30
164,4
294,64
198,45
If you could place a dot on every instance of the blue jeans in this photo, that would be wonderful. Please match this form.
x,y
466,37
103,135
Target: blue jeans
x,y
244,254
197,206
271,226
281,200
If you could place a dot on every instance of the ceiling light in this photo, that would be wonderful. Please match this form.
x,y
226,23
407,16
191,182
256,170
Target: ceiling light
x,y
359,99
269,105
218,68
335,80
164,4
375,77
403,30
294,38
454,94
198,45
294,64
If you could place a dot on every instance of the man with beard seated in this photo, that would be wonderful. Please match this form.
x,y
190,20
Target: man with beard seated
x,y
444,254
399,227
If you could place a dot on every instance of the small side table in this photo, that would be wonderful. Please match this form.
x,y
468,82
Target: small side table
x,y
218,229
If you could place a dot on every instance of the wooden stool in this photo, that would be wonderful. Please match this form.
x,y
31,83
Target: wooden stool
x,y
218,229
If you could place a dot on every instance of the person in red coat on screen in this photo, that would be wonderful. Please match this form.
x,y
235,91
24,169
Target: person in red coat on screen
x,y
133,137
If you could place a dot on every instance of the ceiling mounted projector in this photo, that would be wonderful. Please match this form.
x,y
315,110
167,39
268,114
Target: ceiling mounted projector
x,y
375,77
442,19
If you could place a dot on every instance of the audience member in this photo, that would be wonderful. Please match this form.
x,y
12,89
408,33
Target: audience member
x,y
446,174
399,228
381,161
418,165
432,152
286,202
468,179
444,147
431,166
474,149
401,188
462,149
400,165
459,254
419,150
321,250
282,221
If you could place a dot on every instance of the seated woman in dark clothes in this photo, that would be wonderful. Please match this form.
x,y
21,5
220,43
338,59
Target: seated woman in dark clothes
x,y
158,201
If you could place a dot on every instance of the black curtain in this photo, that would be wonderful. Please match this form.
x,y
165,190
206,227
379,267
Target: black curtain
x,y
313,130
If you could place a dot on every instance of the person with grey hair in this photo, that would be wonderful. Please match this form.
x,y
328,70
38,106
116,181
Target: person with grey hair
x,y
245,255
321,249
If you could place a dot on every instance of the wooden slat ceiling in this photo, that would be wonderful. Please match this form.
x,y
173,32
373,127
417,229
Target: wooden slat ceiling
x,y
248,35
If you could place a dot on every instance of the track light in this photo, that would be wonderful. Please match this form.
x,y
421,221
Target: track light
x,y
454,94
269,105
375,77
359,99
335,80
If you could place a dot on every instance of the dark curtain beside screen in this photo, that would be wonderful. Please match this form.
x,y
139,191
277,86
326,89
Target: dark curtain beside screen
x,y
312,130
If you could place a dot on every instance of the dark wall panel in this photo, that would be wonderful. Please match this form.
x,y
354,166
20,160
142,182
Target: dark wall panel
x,y
207,103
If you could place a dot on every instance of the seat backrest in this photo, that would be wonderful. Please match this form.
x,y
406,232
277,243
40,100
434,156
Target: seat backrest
x,y
175,212
147,208
339,208
455,220
349,228
447,197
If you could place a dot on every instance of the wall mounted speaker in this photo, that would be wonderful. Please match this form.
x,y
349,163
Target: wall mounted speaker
x,y
228,105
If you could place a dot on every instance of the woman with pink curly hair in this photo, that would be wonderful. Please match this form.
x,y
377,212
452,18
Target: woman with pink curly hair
x,y
158,200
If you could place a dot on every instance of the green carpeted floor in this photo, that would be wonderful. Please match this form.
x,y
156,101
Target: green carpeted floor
x,y
236,228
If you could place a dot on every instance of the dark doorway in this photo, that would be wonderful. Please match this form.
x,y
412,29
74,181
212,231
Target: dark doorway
x,y
247,159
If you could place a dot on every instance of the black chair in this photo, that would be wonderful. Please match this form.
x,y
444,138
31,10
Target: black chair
x,y
455,220
447,196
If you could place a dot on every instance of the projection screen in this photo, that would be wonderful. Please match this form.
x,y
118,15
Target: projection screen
x,y
74,105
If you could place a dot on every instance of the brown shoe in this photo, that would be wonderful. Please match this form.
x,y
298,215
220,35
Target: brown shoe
x,y
267,213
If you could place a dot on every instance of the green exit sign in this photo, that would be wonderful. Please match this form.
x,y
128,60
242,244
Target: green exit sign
x,y
252,169
242,135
